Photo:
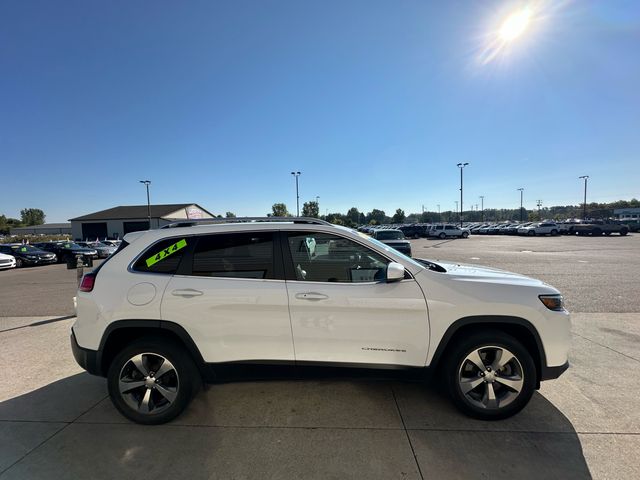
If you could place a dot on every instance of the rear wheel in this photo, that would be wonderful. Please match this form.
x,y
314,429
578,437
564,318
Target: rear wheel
x,y
152,381
465,234
443,235
624,231
554,233
490,375
596,232
532,233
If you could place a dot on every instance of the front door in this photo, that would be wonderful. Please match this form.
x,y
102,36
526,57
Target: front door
x,y
231,300
344,311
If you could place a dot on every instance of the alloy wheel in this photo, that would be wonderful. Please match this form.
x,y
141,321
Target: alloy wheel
x,y
148,383
491,377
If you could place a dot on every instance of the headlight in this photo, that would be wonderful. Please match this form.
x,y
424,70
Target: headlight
x,y
552,302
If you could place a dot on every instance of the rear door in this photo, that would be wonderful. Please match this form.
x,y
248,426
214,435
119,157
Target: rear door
x,y
342,308
232,298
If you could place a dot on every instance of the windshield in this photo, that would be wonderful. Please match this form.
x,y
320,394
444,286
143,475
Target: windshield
x,y
25,249
389,235
71,245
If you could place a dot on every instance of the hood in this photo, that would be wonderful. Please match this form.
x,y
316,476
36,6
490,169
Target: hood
x,y
475,273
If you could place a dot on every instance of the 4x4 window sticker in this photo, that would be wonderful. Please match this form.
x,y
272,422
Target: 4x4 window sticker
x,y
164,253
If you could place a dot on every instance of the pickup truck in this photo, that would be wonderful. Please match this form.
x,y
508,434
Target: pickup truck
x,y
598,227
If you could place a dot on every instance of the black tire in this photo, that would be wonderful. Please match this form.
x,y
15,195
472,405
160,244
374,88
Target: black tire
x,y
465,234
442,235
456,363
554,233
624,231
185,380
607,233
532,233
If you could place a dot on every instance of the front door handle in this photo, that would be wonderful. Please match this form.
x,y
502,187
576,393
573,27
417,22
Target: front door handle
x,y
187,293
314,296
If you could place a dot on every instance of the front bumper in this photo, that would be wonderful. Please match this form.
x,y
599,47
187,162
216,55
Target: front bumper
x,y
87,359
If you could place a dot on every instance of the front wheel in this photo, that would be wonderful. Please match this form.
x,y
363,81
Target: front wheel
x,y
532,233
18,262
152,381
490,375
554,233
465,234
443,235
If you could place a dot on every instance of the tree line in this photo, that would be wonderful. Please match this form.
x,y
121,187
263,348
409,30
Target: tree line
x,y
354,217
28,218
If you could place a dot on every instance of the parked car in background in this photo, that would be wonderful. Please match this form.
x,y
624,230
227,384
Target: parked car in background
x,y
112,243
448,230
27,255
542,228
65,251
7,261
103,249
414,231
599,227
394,239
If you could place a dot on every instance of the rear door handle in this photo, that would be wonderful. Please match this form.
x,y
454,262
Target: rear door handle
x,y
314,296
187,293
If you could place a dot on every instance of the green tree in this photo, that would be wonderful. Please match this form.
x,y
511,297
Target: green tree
x,y
399,216
280,210
378,216
354,215
311,209
230,215
32,216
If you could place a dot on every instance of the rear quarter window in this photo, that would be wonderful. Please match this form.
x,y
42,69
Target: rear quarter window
x,y
162,257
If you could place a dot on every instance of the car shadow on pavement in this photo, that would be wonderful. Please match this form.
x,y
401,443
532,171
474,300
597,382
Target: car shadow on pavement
x,y
318,428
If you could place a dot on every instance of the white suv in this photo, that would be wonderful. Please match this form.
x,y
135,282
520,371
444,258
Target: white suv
x,y
173,307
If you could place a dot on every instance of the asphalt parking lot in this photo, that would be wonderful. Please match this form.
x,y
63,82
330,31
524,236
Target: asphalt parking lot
x,y
57,422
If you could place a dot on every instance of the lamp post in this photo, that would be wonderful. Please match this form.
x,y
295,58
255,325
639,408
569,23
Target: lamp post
x,y
584,208
461,167
146,184
297,174
482,206
318,205
521,193
439,216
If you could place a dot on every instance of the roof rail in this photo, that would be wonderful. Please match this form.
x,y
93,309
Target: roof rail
x,y
213,221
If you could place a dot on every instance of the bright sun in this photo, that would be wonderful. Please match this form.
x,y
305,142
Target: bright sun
x,y
515,25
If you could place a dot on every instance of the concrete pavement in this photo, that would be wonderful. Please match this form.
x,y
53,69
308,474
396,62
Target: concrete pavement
x,y
57,422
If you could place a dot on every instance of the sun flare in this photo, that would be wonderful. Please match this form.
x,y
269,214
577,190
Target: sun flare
x,y
515,25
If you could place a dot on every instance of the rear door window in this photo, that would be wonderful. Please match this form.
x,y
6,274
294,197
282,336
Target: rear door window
x,y
235,255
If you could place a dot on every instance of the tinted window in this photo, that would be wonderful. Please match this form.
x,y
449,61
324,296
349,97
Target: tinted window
x,y
236,255
163,257
389,235
321,257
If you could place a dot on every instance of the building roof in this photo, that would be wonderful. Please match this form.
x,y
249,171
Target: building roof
x,y
124,212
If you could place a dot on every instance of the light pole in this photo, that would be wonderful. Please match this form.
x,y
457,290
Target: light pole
x,y
482,206
539,204
297,174
461,167
146,184
439,216
318,205
521,193
584,208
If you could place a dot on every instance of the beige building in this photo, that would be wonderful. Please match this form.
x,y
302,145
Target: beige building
x,y
117,221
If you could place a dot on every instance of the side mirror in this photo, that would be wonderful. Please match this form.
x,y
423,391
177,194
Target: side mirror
x,y
395,272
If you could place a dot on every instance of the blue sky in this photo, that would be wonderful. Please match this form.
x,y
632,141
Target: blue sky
x,y
374,101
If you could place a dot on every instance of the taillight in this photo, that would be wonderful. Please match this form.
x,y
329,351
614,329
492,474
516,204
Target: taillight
x,y
88,281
